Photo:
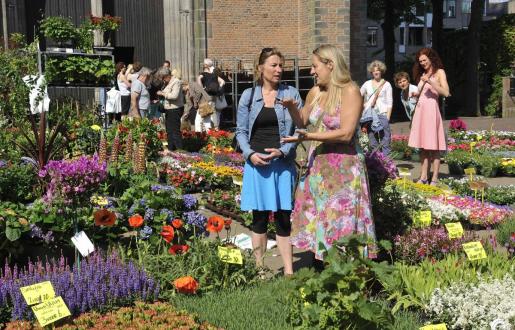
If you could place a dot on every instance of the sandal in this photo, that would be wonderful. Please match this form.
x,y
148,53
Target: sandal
x,y
434,183
422,181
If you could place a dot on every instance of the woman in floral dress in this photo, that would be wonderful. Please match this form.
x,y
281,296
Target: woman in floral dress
x,y
332,200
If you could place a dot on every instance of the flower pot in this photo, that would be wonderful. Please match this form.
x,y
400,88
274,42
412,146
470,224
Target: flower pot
x,y
455,169
103,50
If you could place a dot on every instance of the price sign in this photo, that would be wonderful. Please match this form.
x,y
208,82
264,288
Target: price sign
x,y
38,293
422,219
237,180
470,171
230,255
474,250
455,229
440,326
404,171
51,311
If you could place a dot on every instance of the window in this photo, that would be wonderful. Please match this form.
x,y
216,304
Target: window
x,y
466,6
415,36
372,37
449,8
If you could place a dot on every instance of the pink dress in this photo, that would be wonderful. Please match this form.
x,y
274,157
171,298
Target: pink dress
x,y
427,127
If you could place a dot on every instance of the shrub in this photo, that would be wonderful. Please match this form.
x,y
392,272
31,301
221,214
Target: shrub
x,y
58,28
506,235
17,182
100,282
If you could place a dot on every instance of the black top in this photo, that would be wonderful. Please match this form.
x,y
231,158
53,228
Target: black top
x,y
265,132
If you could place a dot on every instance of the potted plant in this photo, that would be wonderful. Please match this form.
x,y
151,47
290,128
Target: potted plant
x,y
107,24
59,29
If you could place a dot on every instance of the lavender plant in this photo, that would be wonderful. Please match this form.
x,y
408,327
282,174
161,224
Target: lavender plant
x,y
99,283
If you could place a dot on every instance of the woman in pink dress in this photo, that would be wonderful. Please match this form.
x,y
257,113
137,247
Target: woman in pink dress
x,y
427,133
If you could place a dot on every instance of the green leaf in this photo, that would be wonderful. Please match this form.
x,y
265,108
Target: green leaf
x,y
12,234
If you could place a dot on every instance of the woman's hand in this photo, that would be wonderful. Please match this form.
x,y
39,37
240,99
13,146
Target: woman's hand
x,y
289,104
273,153
160,93
414,94
258,159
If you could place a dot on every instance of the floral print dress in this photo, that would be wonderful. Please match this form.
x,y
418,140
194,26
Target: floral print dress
x,y
333,199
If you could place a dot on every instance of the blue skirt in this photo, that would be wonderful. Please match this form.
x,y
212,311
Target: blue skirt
x,y
269,187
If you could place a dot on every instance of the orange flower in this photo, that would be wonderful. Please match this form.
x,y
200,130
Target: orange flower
x,y
136,221
227,224
178,249
167,233
215,224
177,223
186,284
104,217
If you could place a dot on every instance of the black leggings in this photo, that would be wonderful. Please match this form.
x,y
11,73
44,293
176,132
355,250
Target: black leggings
x,y
281,217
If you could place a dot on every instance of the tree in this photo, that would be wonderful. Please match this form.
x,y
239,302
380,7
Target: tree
x,y
472,62
437,25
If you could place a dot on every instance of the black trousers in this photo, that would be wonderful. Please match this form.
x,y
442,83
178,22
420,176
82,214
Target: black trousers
x,y
282,221
173,128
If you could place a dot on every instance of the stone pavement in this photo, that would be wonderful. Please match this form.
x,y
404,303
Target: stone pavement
x,y
303,259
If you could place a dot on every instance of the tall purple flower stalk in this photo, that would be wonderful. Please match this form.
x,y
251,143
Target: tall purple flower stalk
x,y
101,281
73,180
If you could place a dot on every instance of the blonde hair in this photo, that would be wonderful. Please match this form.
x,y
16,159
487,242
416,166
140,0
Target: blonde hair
x,y
176,73
261,59
377,64
340,76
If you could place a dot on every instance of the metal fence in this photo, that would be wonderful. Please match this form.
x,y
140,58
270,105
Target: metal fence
x,y
239,75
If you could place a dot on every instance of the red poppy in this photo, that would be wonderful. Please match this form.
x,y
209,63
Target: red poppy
x,y
227,224
161,135
177,223
167,233
136,221
215,224
122,129
186,284
178,249
104,217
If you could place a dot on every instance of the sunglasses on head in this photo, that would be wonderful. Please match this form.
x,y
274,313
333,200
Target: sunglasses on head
x,y
266,50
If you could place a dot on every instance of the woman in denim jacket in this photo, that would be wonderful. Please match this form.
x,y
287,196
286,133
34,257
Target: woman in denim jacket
x,y
269,174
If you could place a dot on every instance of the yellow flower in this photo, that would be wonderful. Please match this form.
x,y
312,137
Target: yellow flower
x,y
95,127
479,138
10,212
23,221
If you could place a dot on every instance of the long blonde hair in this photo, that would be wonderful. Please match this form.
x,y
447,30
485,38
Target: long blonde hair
x,y
340,77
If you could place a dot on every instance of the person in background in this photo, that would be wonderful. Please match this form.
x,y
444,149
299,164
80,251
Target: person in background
x,y
427,133
167,64
124,87
381,104
133,71
158,81
408,92
174,108
333,200
213,85
140,98
269,171
196,95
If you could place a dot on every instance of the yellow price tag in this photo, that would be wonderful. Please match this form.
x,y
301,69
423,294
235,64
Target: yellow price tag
x,y
404,171
422,219
38,293
237,180
230,255
440,326
470,171
474,250
455,229
51,311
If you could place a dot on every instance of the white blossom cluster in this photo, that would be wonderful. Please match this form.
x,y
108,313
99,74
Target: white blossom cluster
x,y
446,212
485,305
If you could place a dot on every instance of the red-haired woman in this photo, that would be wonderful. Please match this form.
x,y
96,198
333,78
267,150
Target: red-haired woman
x,y
427,131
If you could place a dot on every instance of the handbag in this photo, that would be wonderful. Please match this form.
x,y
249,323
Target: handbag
x,y
235,145
220,102
369,115
205,109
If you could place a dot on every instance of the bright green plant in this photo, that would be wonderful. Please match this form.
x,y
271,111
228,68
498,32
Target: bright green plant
x,y
340,296
79,70
412,286
506,233
58,28
85,37
202,262
488,164
458,160
18,182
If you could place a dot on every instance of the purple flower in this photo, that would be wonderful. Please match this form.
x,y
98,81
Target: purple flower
x,y
197,220
149,214
145,232
189,201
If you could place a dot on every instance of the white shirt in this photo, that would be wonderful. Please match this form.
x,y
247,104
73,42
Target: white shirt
x,y
384,100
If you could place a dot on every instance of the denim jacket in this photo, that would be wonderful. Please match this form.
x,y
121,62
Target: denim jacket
x,y
245,119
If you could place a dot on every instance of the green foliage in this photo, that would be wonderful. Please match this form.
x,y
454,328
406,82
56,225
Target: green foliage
x,y
78,69
14,221
505,231
144,127
495,99
18,182
203,264
340,296
412,286
58,28
261,306
85,37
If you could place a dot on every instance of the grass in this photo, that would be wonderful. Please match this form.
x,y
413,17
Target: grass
x,y
257,307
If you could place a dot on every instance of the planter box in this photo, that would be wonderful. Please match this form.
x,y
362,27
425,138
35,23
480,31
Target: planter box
x,y
103,50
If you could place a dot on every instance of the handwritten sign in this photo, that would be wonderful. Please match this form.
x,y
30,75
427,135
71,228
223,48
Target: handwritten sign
x,y
440,326
422,219
38,293
474,250
230,255
51,311
455,229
